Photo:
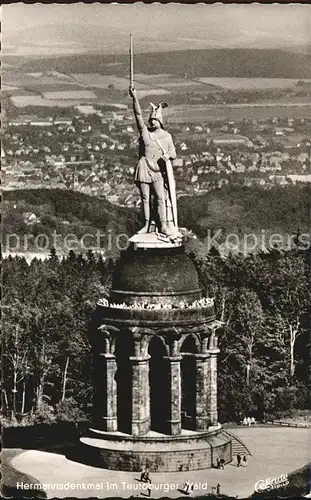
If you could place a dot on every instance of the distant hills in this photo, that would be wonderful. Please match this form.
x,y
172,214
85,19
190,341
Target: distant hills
x,y
240,63
65,212
243,210
231,209
73,206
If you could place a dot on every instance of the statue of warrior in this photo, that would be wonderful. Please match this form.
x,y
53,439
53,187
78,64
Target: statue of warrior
x,y
153,174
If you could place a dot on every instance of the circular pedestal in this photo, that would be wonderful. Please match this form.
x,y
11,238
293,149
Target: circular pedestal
x,y
160,453
157,275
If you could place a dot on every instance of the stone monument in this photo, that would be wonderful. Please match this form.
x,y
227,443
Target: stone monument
x,y
155,367
154,342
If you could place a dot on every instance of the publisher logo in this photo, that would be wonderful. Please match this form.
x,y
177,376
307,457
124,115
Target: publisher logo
x,y
271,483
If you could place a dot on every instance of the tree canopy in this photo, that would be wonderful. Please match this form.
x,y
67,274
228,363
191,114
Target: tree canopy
x,y
261,298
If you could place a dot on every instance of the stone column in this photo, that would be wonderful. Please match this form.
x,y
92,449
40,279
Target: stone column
x,y
174,393
106,392
202,391
212,393
140,395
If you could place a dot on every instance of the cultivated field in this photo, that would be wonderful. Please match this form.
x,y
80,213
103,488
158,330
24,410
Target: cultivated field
x,y
157,91
19,79
70,94
53,87
158,79
4,86
102,81
21,101
58,89
200,113
252,83
170,82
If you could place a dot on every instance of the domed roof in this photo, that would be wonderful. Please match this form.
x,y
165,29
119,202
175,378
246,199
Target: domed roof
x,y
155,275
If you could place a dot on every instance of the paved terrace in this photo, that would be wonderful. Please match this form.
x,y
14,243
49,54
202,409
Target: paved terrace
x,y
275,451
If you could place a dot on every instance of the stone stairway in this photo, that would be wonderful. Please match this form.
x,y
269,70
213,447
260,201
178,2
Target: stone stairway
x,y
237,444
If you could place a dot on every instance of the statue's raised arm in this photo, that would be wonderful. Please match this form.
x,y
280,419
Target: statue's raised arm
x,y
137,109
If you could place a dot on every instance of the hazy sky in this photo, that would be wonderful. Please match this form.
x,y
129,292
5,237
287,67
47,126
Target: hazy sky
x,y
166,26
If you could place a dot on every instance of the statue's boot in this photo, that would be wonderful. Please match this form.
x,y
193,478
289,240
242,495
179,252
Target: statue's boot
x,y
165,229
145,228
172,228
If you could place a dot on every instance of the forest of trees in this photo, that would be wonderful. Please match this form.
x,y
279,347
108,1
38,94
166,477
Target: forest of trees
x,y
262,300
46,309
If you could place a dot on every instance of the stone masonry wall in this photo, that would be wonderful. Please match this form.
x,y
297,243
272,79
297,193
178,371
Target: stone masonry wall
x,y
168,461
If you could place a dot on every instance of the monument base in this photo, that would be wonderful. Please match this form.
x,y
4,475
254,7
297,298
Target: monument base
x,y
155,240
158,452
154,343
